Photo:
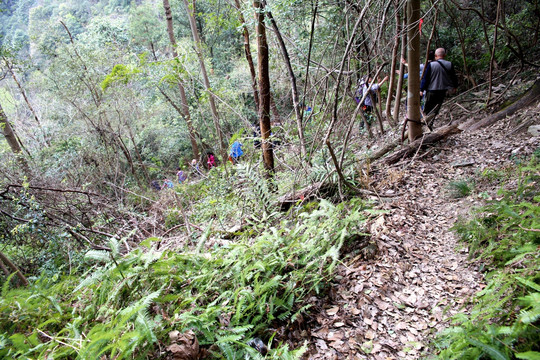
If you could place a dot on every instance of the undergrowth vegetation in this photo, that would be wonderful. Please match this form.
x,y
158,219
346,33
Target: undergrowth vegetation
x,y
128,304
504,235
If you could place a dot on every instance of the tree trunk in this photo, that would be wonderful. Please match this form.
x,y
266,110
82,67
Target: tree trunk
x,y
23,93
4,269
181,88
264,89
463,46
532,95
249,58
190,7
4,259
428,139
392,84
413,58
11,138
492,58
294,90
399,87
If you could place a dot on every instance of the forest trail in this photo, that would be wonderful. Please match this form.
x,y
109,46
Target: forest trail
x,y
390,307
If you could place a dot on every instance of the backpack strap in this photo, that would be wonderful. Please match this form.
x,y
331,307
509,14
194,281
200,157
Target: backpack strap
x,y
445,69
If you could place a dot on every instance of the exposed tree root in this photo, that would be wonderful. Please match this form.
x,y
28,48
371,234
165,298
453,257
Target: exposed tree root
x,y
428,139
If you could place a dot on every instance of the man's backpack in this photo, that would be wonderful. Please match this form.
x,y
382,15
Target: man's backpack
x,y
360,92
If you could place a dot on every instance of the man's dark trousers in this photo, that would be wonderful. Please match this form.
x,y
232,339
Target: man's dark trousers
x,y
434,99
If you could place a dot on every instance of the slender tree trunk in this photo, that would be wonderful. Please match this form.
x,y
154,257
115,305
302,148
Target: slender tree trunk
x,y
399,87
23,93
11,138
193,134
4,269
429,41
249,58
14,268
492,59
413,58
392,84
292,78
190,7
181,87
264,89
462,43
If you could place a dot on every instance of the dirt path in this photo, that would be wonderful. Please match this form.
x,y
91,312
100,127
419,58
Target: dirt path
x,y
390,307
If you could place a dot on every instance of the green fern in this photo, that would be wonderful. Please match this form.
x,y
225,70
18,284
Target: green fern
x,y
503,322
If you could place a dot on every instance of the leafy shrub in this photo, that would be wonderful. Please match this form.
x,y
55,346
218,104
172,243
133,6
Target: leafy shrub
x,y
503,323
126,305
460,188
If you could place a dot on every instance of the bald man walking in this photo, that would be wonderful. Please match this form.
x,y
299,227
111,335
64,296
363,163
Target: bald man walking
x,y
439,78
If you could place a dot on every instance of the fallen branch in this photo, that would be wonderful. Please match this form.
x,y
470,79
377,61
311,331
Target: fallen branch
x,y
88,193
429,139
532,95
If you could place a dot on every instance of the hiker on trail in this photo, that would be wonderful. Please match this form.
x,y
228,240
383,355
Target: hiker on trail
x,y
195,167
440,77
236,152
211,162
307,111
180,175
167,184
371,99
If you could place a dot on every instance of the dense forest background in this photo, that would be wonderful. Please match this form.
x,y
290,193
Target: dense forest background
x,y
100,98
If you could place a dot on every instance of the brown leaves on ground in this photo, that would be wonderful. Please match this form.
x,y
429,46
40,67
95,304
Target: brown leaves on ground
x,y
390,307
183,346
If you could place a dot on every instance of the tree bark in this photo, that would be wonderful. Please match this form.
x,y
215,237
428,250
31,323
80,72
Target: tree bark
x,y
399,87
181,88
264,89
392,83
249,58
11,138
4,269
462,43
492,58
428,139
4,259
294,90
190,8
413,59
23,93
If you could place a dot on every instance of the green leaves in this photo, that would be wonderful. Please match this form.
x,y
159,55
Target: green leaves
x,y
503,323
126,304
120,73
529,355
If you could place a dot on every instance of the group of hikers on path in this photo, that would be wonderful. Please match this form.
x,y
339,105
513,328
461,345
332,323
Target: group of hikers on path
x,y
181,176
437,79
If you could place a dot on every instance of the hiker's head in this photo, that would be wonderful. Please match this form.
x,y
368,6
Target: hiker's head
x,y
440,53
431,55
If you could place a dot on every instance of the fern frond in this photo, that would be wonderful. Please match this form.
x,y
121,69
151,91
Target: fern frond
x,y
98,256
5,285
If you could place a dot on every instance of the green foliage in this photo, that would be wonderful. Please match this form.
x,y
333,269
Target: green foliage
x,y
460,188
120,73
126,304
503,323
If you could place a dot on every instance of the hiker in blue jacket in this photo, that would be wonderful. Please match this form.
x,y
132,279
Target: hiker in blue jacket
x,y
236,152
